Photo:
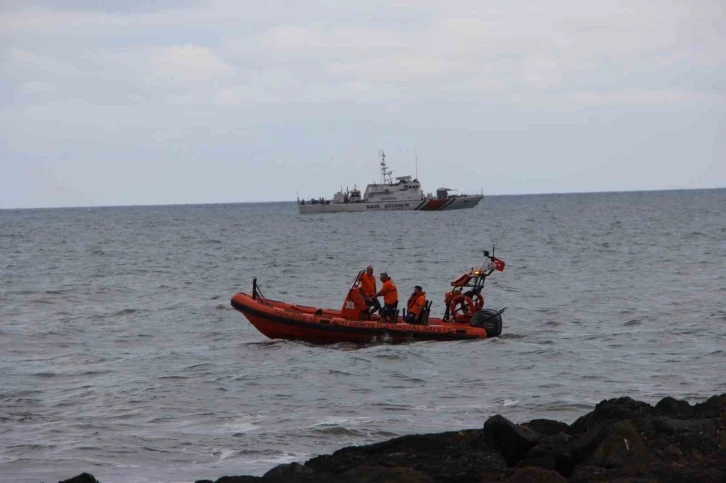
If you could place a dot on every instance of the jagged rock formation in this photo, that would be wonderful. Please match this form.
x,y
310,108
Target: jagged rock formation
x,y
622,440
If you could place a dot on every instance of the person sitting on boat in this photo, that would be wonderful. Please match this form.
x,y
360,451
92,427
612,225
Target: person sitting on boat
x,y
389,292
416,305
368,289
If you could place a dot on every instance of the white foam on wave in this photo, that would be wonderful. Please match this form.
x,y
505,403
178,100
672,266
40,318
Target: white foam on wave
x,y
282,459
226,453
237,427
340,420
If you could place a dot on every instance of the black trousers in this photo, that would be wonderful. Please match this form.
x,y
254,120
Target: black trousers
x,y
389,310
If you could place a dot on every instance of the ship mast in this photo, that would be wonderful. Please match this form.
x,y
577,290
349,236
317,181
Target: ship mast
x,y
385,172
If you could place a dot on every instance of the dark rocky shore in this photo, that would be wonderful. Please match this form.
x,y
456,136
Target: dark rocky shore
x,y
622,440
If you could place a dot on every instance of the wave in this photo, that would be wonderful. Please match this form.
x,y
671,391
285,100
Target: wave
x,y
337,431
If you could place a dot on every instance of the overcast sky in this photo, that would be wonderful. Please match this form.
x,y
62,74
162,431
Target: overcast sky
x,y
168,101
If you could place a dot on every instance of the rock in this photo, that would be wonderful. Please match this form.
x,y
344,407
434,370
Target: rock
x,y
584,445
378,474
511,439
621,440
714,407
536,475
696,444
546,427
238,479
82,478
622,446
674,408
289,471
452,456
673,426
551,453
611,410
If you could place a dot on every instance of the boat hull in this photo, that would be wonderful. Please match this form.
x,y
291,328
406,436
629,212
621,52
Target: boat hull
x,y
279,320
435,204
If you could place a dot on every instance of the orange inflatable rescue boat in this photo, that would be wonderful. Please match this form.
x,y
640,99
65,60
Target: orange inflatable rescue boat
x,y
465,316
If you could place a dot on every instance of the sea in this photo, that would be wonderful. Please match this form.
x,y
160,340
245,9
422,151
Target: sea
x,y
121,356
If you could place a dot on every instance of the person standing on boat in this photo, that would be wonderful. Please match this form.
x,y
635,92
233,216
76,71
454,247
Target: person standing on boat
x,y
416,305
368,289
389,292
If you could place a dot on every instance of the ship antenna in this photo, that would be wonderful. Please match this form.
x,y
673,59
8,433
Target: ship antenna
x,y
494,245
385,172
416,155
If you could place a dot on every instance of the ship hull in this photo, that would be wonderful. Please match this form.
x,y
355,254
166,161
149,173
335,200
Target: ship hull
x,y
436,204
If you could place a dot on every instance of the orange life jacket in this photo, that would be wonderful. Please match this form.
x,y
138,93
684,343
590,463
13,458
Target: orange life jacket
x,y
368,285
389,292
417,303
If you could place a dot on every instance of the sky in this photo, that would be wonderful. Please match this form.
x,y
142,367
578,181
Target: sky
x,y
221,101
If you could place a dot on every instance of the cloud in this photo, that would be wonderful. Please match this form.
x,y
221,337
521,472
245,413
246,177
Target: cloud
x,y
184,63
36,87
655,97
301,82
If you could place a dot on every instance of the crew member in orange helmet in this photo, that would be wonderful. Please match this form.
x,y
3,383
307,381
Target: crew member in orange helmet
x,y
416,305
368,289
390,298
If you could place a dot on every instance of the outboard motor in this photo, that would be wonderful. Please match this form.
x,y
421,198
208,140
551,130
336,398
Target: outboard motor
x,y
489,320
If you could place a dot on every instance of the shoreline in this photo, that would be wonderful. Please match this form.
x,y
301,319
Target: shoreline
x,y
621,440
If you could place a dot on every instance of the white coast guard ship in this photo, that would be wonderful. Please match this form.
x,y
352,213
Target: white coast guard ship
x,y
402,194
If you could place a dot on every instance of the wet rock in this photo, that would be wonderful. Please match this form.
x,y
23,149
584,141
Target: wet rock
x,y
622,446
511,439
536,475
378,474
551,453
674,407
236,479
82,478
673,426
621,440
696,445
289,471
611,410
714,407
546,427
453,456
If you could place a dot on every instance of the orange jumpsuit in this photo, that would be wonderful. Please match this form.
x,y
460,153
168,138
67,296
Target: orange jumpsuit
x,y
389,292
368,285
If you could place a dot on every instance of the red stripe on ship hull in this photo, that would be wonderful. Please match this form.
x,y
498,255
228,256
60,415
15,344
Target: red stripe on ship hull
x,y
434,205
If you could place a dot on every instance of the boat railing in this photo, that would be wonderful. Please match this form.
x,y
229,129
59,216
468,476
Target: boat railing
x,y
257,293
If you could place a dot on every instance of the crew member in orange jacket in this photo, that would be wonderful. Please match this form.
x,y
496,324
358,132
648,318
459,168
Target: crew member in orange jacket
x,y
368,289
390,297
416,305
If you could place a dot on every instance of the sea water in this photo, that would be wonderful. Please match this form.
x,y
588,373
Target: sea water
x,y
120,354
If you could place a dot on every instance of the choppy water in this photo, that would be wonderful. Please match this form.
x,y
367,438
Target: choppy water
x,y
121,356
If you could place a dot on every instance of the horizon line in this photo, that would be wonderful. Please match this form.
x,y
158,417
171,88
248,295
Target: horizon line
x,y
203,203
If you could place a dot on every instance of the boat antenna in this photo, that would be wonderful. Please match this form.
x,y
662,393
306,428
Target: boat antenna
x,y
494,245
385,172
416,155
